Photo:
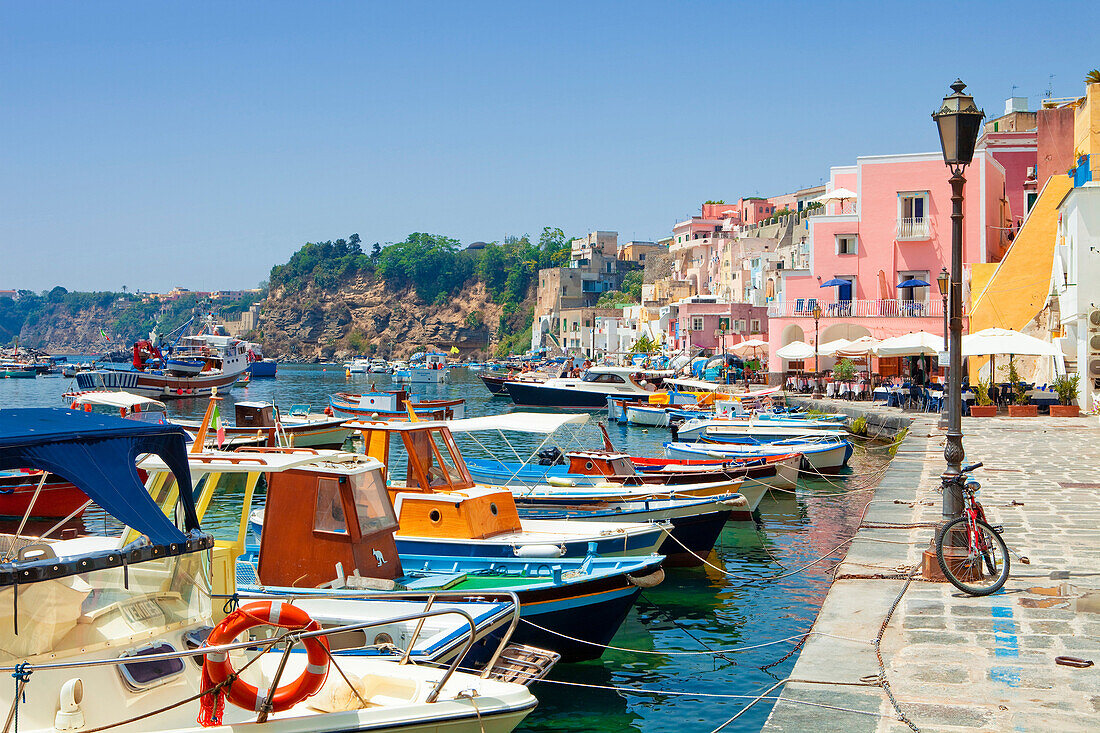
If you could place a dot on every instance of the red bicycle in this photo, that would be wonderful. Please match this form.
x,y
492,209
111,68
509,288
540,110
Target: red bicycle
x,y
970,551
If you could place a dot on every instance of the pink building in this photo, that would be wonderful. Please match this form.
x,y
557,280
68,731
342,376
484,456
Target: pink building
x,y
1017,153
755,210
897,229
698,243
703,322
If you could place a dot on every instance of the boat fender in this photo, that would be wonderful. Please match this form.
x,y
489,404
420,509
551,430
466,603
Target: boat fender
x,y
560,481
329,412
647,581
69,715
539,550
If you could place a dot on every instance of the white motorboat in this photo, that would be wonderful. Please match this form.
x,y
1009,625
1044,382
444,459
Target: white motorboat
x,y
588,392
817,457
103,632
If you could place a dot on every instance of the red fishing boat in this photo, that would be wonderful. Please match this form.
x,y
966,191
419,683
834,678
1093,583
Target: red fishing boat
x,y
57,499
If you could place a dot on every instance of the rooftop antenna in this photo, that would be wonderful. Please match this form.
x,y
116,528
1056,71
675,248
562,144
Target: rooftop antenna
x,y
1050,88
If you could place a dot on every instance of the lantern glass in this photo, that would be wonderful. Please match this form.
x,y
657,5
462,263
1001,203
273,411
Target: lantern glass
x,y
959,122
942,280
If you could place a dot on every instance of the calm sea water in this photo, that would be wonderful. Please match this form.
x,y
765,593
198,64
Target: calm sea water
x,y
694,610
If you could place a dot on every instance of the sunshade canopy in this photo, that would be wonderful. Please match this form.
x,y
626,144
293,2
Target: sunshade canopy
x,y
913,282
835,282
860,347
918,343
1006,341
129,400
97,453
795,350
542,423
837,194
748,347
831,347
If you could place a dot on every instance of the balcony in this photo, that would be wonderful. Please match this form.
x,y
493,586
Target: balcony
x,y
913,229
804,308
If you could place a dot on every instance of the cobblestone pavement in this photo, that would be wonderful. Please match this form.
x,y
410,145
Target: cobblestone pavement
x,y
953,662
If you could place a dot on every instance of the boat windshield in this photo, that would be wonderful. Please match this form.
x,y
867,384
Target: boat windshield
x,y
604,378
372,503
94,611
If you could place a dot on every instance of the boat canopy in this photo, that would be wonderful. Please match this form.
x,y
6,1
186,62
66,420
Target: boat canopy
x,y
127,400
97,454
541,423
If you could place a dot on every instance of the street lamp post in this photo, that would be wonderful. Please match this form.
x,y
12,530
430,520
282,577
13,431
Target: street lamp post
x,y
958,121
944,281
817,368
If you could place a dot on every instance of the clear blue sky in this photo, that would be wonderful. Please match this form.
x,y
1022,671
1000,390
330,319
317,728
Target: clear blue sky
x,y
151,144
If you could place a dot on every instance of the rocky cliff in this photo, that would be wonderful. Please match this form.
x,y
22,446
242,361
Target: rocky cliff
x,y
363,316
61,330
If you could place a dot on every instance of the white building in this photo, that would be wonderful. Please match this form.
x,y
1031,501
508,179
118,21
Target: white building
x,y
1076,281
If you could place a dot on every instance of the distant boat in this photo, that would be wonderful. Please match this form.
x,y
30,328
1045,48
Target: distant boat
x,y
392,405
224,359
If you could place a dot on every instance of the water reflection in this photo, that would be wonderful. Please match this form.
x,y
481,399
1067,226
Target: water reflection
x,y
746,599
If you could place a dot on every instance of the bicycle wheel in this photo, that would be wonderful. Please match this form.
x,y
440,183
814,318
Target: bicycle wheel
x,y
976,565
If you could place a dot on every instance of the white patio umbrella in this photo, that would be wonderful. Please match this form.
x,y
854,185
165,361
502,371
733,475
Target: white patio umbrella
x,y
837,194
830,348
862,346
992,341
795,351
918,343
748,347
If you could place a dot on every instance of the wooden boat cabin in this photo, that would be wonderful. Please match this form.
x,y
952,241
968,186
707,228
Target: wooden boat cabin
x,y
438,498
336,512
600,463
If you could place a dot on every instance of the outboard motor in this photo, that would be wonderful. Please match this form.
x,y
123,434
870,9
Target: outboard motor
x,y
550,456
674,425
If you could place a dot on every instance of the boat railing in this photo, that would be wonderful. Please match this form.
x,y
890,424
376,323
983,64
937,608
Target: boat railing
x,y
290,639
452,596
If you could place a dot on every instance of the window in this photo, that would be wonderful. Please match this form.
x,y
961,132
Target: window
x,y
563,288
1031,197
328,514
912,205
372,504
604,378
914,294
912,216
846,244
756,325
739,325
697,323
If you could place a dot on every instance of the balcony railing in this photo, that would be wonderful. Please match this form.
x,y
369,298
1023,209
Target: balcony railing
x,y
913,228
804,308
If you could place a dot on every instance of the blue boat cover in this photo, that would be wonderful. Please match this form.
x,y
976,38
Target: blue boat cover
x,y
97,453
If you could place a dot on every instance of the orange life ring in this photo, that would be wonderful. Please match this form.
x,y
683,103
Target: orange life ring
x,y
217,668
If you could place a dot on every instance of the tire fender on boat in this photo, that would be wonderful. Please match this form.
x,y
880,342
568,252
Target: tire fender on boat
x,y
650,580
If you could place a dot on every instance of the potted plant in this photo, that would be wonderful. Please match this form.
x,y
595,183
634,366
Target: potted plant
x,y
984,406
1021,408
1066,386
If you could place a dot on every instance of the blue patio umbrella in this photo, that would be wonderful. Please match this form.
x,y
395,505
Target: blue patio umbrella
x,y
834,282
913,283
